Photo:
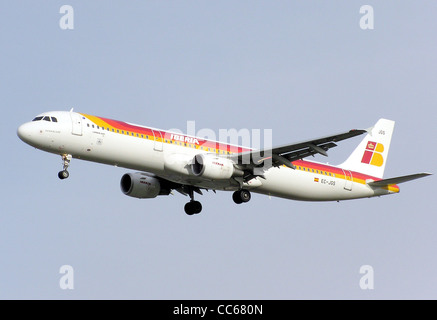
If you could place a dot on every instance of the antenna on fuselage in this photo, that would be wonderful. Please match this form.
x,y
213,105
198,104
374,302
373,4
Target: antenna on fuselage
x,y
71,109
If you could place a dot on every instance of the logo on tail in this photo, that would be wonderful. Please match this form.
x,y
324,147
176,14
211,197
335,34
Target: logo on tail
x,y
373,154
370,156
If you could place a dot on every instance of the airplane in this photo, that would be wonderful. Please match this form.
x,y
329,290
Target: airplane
x,y
165,161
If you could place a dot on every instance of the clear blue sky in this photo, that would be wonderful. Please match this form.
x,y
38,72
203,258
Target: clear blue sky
x,y
301,68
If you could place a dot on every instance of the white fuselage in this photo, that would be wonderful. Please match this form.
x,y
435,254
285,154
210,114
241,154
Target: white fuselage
x,y
168,156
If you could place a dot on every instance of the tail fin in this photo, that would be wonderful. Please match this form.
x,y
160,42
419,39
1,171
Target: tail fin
x,y
371,154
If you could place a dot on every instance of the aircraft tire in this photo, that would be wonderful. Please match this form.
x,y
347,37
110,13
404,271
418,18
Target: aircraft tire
x,y
236,197
193,207
245,195
241,196
63,174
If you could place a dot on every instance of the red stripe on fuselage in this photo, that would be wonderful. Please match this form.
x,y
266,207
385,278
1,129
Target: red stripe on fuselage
x,y
335,170
339,173
120,125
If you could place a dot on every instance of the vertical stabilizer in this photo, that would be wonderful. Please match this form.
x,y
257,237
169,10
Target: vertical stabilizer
x,y
370,157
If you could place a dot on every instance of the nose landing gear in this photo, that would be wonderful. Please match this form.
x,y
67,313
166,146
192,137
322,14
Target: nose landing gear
x,y
66,158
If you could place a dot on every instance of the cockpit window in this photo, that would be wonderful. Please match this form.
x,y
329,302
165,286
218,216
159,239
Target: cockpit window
x,y
46,118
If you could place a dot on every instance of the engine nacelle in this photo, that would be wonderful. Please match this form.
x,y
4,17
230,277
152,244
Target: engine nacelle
x,y
212,167
140,185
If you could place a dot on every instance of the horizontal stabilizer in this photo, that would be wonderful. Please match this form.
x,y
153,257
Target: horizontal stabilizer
x,y
396,180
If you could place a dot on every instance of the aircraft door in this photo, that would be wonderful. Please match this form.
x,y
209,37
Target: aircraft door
x,y
76,120
348,180
158,140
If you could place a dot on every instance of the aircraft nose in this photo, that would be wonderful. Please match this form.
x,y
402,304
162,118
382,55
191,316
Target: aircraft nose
x,y
24,132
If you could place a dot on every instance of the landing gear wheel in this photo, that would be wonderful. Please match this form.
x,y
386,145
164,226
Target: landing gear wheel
x,y
245,195
193,207
63,174
66,158
241,196
236,197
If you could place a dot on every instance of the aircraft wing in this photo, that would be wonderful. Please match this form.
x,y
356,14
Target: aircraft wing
x,y
285,154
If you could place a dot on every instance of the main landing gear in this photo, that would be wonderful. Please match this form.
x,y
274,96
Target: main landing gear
x,y
241,196
192,207
195,207
66,158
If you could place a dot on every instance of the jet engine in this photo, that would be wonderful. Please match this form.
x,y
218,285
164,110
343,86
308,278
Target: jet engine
x,y
140,185
213,168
